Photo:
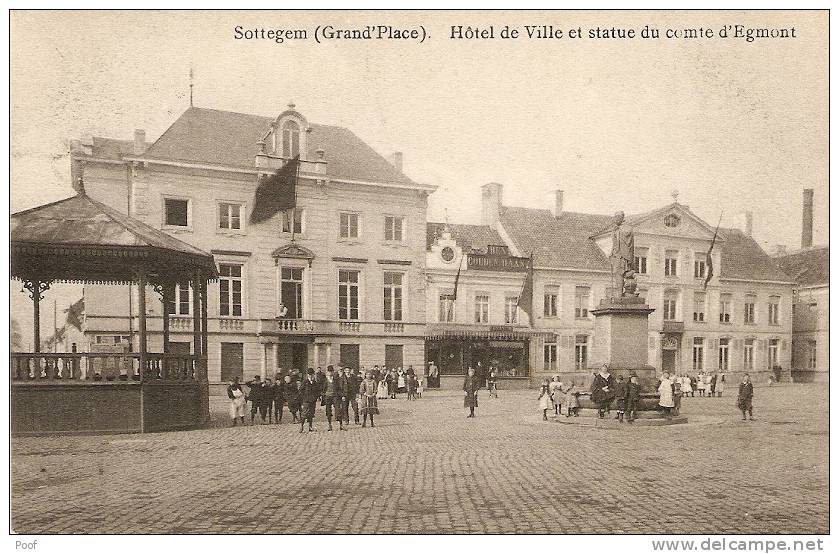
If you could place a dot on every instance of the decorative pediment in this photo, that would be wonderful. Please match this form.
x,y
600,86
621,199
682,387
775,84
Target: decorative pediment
x,y
292,250
673,220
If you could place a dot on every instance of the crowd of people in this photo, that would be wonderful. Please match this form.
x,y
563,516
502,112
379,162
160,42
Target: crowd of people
x,y
337,391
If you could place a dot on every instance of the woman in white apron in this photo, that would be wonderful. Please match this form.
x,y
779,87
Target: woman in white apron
x,y
237,401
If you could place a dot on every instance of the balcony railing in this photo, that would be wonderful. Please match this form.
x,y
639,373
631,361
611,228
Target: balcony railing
x,y
97,366
337,327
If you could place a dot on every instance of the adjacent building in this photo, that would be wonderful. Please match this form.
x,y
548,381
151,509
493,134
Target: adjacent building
x,y
809,267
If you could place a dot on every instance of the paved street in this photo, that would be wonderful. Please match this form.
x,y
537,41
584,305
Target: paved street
x,y
425,468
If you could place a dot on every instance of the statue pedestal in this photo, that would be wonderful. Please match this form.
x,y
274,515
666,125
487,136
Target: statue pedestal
x,y
621,340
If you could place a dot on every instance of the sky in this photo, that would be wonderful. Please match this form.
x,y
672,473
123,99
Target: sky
x,y
617,124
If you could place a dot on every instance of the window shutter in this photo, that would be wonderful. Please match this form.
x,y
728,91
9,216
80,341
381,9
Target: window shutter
x,y
652,343
783,345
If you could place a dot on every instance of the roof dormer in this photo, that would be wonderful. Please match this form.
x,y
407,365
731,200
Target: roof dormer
x,y
287,136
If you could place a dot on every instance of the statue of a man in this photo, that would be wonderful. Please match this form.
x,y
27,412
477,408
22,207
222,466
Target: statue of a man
x,y
622,257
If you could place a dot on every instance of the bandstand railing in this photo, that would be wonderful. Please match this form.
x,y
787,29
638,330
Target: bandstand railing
x,y
105,367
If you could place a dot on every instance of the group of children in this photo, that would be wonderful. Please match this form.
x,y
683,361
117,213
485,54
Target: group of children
x,y
555,393
393,382
604,391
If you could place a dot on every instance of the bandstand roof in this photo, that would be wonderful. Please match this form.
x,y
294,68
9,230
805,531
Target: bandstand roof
x,y
81,240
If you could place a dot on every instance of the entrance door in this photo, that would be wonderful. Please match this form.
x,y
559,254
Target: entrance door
x,y
668,361
232,360
299,356
349,356
393,356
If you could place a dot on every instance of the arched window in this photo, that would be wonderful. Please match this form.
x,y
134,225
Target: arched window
x,y
291,139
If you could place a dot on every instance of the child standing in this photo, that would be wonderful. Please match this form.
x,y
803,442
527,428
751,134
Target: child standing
x,y
419,387
620,398
545,403
382,389
633,395
571,399
370,406
555,388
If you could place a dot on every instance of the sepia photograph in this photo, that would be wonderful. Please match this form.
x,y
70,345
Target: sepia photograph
x,y
429,272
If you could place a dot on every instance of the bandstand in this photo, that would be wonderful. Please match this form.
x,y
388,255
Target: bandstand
x,y
80,240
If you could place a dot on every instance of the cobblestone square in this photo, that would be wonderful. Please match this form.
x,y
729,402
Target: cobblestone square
x,y
425,468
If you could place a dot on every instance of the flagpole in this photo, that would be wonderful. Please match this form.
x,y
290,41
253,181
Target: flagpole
x,y
294,208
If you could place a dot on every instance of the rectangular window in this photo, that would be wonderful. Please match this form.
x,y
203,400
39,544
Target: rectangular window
x,y
177,212
446,308
348,294
774,310
723,354
773,352
230,290
182,300
582,296
550,356
291,292
393,228
641,260
349,225
699,265
811,354
749,309
551,304
298,220
698,353
482,308
725,308
229,216
581,352
393,296
699,307
749,354
671,263
511,309
671,301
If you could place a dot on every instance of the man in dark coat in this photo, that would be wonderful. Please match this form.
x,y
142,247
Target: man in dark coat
x,y
279,396
310,392
331,396
602,390
255,396
341,401
633,396
353,384
744,397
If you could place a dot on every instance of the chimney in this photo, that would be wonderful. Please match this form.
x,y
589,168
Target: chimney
x,y
396,161
558,202
139,141
807,220
491,202
748,219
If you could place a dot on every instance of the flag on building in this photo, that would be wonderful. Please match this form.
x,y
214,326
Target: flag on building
x,y
276,193
525,300
709,260
457,277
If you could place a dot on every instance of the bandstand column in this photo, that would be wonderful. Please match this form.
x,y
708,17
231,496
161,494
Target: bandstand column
x,y
196,314
36,314
141,290
166,299
204,318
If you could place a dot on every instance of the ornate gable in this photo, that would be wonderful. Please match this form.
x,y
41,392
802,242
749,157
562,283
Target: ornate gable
x,y
295,251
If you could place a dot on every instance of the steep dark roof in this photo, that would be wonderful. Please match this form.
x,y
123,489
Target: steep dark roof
x,y
203,135
743,258
474,238
810,266
561,242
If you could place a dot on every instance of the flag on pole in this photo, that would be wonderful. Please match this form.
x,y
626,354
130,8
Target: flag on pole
x,y
525,299
276,193
457,277
709,261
